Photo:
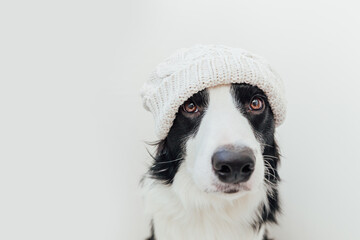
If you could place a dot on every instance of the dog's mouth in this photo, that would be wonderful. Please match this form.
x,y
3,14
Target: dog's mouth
x,y
231,191
231,188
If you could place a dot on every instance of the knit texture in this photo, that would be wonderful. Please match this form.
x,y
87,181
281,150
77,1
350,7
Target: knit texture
x,y
191,70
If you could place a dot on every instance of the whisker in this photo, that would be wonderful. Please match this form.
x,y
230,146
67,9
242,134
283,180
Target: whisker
x,y
269,156
160,171
273,173
151,155
269,166
175,160
270,183
267,145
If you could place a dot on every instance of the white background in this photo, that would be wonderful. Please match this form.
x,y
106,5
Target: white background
x,y
72,127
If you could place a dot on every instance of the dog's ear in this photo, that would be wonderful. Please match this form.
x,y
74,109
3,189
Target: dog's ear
x,y
165,163
158,145
161,148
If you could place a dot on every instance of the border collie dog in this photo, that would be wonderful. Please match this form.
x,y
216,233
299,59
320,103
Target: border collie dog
x,y
214,176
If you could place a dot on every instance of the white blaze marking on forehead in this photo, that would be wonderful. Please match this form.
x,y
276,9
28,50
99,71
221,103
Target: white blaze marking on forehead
x,y
223,122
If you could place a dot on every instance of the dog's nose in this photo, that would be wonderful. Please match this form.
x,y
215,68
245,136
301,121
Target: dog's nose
x,y
233,166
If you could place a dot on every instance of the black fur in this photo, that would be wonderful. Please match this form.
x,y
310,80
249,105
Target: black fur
x,y
152,237
263,125
171,150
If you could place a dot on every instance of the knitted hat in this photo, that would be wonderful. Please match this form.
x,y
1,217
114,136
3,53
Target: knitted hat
x,y
191,70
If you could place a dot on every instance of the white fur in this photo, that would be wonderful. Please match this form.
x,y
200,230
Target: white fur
x,y
193,207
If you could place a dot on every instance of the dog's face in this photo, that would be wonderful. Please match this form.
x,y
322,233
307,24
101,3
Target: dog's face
x,y
224,138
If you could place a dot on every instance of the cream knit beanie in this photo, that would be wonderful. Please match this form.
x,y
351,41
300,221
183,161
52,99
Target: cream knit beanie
x,y
191,70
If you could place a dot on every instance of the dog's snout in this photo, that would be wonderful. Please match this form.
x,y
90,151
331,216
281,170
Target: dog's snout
x,y
233,166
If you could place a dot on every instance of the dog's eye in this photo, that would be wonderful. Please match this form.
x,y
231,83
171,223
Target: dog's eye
x,y
190,107
256,104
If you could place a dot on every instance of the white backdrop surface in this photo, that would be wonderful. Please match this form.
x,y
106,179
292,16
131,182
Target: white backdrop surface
x,y
72,127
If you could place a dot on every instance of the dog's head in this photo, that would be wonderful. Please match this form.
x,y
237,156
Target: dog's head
x,y
215,111
222,141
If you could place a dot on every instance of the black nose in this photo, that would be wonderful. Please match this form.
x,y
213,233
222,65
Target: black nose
x,y
233,166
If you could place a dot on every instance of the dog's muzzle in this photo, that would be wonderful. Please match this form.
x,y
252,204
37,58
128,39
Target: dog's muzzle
x,y
233,166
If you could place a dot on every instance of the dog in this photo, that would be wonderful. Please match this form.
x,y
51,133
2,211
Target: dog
x,y
215,174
